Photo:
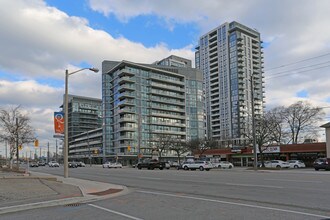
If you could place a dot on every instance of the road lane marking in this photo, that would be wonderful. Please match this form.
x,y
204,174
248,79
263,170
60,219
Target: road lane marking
x,y
252,185
149,178
299,181
115,212
234,203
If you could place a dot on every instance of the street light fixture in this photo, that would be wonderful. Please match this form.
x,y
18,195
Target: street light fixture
x,y
66,133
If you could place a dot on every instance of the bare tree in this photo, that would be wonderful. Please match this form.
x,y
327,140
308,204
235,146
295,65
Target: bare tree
x,y
301,115
276,120
15,128
179,147
201,145
164,142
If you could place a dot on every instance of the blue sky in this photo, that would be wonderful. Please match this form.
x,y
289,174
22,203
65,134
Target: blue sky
x,y
147,29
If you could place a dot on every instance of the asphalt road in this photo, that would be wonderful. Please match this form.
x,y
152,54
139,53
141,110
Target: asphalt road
x,y
217,194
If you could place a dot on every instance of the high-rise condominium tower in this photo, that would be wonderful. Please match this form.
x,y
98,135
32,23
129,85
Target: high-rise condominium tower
x,y
230,58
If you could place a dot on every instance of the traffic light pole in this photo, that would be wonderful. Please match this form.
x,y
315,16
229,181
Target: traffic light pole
x,y
17,153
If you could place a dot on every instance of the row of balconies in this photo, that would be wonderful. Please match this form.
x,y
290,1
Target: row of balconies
x,y
173,108
125,72
168,94
168,115
168,80
168,87
172,101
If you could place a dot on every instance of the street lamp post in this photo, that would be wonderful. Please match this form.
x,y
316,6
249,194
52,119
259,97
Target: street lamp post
x,y
255,155
66,133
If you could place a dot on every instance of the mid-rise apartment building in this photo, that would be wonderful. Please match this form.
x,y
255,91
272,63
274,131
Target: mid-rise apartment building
x,y
84,114
231,60
142,101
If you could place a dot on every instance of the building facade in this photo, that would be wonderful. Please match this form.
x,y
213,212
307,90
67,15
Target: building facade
x,y
85,114
175,61
231,60
307,152
143,101
87,147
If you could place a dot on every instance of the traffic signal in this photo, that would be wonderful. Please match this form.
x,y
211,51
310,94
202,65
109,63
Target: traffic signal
x,y
36,142
129,148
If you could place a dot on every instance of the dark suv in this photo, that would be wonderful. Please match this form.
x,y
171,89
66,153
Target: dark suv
x,y
322,163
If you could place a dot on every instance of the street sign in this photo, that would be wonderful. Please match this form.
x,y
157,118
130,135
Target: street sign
x,y
59,136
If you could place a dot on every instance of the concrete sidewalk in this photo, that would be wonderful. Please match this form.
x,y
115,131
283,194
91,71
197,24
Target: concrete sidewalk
x,y
20,192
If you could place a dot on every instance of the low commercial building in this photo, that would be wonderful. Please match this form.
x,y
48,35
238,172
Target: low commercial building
x,y
244,156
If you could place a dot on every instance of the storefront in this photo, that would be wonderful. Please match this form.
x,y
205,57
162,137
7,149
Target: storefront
x,y
244,156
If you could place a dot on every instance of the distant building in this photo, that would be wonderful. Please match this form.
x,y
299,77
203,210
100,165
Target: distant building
x,y
231,60
175,61
84,114
141,101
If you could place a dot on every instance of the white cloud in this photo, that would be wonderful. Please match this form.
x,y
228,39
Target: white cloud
x,y
39,42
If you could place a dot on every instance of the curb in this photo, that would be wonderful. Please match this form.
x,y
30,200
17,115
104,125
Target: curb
x,y
60,202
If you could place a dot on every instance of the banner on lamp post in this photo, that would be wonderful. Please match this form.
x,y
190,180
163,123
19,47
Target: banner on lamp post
x,y
59,122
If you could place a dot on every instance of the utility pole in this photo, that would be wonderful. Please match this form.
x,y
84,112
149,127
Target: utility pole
x,y
6,150
17,153
48,153
56,151
89,150
255,155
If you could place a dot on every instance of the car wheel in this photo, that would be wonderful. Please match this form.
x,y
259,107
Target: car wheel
x,y
219,166
185,168
139,167
201,168
296,166
230,167
161,168
316,169
278,166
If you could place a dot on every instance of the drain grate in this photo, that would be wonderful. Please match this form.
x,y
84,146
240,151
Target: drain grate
x,y
74,204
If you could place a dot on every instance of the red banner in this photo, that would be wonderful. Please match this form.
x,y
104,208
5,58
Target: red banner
x,y
59,122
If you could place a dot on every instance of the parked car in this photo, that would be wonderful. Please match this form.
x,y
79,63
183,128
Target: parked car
x,y
53,164
41,163
106,165
277,164
296,164
34,164
201,165
322,163
167,165
173,163
223,165
151,164
81,164
72,164
115,165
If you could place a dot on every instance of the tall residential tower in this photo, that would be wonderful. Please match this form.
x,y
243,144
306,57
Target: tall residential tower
x,y
230,58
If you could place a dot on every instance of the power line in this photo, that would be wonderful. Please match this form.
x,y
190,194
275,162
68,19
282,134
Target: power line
x,y
300,61
298,68
271,77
